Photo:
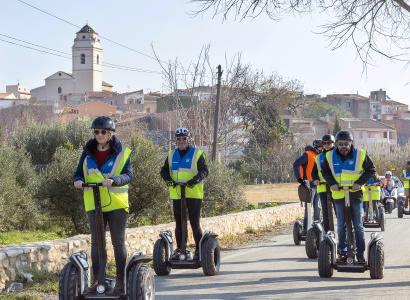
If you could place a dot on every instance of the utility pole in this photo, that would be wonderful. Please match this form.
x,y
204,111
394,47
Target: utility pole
x,y
261,165
216,118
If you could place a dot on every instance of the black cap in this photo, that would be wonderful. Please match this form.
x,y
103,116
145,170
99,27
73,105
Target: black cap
x,y
408,162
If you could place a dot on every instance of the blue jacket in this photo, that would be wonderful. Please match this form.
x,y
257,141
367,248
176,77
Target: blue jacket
x,y
115,148
303,161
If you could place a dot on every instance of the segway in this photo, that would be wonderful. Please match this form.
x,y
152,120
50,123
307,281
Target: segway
x,y
305,196
139,280
374,220
209,251
328,249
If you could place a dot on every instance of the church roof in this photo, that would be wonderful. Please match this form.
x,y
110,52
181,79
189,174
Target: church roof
x,y
87,29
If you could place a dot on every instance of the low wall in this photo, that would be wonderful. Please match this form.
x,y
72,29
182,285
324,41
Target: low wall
x,y
277,192
53,255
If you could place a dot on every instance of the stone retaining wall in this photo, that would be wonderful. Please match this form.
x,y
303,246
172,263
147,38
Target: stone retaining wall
x,y
53,255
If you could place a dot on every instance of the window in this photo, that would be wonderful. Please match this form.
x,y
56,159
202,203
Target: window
x,y
148,109
60,89
385,134
83,37
368,135
98,59
360,135
59,74
83,59
347,104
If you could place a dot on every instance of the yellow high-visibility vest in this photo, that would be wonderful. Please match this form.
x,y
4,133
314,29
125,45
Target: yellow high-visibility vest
x,y
318,160
112,198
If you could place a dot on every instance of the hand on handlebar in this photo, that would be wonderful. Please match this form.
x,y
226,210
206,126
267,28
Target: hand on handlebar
x,y
316,182
335,188
107,182
78,184
356,187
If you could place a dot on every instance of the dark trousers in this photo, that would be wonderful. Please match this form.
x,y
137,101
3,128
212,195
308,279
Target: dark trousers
x,y
117,219
194,210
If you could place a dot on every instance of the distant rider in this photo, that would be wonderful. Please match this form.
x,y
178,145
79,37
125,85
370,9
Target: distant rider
x,y
406,179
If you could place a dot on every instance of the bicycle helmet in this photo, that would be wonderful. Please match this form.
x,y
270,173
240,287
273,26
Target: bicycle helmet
x,y
344,135
103,122
317,143
181,131
388,173
328,137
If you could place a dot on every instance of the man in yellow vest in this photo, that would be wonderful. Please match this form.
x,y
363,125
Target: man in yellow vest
x,y
406,178
328,142
348,166
186,164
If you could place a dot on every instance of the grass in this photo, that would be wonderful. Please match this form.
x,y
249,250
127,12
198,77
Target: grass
x,y
25,296
43,281
38,235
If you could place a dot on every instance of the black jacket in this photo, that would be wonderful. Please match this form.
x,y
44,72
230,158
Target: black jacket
x,y
303,161
202,168
369,171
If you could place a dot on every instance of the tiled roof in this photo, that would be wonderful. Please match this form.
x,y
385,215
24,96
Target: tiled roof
x,y
364,124
394,103
103,94
4,95
106,84
149,97
350,96
87,29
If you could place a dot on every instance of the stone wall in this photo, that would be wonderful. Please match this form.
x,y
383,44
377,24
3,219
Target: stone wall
x,y
53,255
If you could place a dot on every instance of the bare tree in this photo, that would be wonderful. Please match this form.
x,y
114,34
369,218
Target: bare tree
x,y
373,26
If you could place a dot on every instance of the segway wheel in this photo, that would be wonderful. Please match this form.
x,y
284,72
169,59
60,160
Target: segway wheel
x,y
69,284
325,260
210,257
382,219
141,283
311,243
160,258
376,261
297,230
400,209
389,207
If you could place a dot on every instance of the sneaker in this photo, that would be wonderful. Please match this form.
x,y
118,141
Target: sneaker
x,y
176,254
360,259
367,220
341,258
196,256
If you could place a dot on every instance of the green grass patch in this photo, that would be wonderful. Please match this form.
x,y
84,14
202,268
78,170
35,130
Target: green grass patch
x,y
25,236
25,296
43,281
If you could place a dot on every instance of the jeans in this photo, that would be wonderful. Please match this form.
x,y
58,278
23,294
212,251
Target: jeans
x,y
356,210
323,201
316,208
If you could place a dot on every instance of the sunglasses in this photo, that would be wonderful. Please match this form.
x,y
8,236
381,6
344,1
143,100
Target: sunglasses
x,y
344,144
97,132
327,143
181,138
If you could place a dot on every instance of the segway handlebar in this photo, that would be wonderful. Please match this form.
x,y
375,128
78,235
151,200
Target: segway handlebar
x,y
92,184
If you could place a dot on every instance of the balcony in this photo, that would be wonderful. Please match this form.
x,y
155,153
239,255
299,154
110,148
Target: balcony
x,y
381,141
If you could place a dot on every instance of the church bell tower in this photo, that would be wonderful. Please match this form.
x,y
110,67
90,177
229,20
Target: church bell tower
x,y
87,59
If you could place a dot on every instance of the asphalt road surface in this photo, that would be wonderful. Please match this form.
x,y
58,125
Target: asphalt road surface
x,y
275,268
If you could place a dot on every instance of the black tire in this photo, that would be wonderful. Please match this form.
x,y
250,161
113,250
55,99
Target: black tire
x,y
325,260
69,284
389,207
160,258
382,219
297,230
211,257
400,209
311,244
376,260
141,283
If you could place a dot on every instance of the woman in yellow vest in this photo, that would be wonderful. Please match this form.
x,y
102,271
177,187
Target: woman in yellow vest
x,y
406,178
186,164
106,160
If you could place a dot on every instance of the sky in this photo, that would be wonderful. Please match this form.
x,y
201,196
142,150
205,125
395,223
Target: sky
x,y
289,47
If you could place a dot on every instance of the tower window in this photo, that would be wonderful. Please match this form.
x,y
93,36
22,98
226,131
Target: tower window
x,y
98,59
83,59
83,37
60,90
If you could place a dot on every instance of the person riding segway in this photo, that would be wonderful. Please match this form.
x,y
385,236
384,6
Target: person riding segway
x,y
104,172
346,169
184,171
314,237
302,169
403,206
373,211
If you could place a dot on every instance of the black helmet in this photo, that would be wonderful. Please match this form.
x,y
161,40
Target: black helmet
x,y
344,135
181,131
103,122
328,137
317,143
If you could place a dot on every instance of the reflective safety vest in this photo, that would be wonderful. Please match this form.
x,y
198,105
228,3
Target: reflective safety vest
x,y
311,161
375,191
182,170
112,198
407,178
318,160
347,172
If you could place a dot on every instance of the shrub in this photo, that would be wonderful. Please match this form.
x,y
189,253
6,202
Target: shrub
x,y
148,194
223,190
17,181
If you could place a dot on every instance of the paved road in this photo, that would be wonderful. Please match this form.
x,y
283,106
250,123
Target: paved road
x,y
275,268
